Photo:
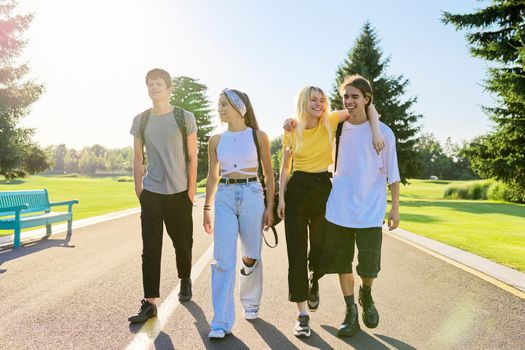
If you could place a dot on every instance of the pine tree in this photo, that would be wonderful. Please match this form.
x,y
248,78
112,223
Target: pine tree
x,y
189,94
366,59
17,92
497,34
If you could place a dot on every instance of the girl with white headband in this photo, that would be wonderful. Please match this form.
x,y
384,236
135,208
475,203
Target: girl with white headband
x,y
237,194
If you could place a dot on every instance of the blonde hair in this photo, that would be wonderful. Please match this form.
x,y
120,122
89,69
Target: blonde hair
x,y
302,101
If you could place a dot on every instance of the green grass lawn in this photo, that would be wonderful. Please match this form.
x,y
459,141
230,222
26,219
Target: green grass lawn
x,y
494,230
96,196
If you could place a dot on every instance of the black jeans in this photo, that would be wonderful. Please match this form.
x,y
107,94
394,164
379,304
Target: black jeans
x,y
173,210
305,198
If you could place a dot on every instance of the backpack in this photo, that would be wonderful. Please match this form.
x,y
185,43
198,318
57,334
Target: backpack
x,y
181,123
276,219
337,137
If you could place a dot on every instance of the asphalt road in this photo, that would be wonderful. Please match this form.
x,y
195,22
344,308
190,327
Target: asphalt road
x,y
78,294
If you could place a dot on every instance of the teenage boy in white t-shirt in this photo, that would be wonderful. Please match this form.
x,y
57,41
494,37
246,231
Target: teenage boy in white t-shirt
x,y
357,204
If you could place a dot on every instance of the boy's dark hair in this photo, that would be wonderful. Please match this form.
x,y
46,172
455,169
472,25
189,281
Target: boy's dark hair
x,y
359,83
157,73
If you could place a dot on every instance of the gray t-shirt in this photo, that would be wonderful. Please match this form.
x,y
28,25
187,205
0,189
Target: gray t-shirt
x,y
166,172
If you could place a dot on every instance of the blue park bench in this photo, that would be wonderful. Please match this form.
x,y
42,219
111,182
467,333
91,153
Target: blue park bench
x,y
36,203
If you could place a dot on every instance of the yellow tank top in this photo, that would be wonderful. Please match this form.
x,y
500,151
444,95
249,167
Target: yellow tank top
x,y
315,151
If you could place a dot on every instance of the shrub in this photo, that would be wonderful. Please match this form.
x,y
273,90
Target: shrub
x,y
73,175
499,191
456,192
473,190
479,189
14,174
125,179
449,191
488,189
462,192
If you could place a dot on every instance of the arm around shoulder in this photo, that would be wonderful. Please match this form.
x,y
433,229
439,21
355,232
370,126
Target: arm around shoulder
x,y
393,216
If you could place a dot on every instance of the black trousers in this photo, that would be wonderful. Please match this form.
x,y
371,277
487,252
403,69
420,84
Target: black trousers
x,y
174,211
305,198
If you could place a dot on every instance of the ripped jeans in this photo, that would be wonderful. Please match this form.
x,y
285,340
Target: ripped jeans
x,y
239,210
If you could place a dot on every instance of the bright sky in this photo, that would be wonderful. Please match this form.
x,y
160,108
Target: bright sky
x,y
93,56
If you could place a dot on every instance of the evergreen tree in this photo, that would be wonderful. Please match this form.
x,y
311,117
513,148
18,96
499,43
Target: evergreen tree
x,y
189,94
17,92
366,59
497,34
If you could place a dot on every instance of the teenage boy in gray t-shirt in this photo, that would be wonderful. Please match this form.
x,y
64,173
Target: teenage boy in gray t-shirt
x,y
166,188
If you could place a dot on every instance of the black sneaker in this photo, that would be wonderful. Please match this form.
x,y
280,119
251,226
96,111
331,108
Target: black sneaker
x,y
370,315
185,290
313,295
350,325
147,310
302,327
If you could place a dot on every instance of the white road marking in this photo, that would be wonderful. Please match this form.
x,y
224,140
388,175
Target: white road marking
x,y
152,328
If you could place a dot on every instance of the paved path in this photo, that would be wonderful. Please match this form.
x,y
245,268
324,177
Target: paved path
x,y
78,294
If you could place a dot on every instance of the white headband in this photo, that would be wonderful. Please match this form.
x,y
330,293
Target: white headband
x,y
236,101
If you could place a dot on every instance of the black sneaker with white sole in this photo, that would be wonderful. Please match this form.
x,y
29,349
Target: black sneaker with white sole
x,y
302,327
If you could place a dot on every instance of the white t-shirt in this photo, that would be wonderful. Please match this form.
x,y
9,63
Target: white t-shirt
x,y
358,196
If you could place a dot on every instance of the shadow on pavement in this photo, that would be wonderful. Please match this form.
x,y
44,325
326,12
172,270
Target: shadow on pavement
x,y
316,341
8,253
398,344
163,342
203,327
274,338
361,340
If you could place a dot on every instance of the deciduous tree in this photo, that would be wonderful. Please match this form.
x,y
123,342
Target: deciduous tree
x,y
17,90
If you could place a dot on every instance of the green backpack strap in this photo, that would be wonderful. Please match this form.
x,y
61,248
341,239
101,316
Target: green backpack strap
x,y
181,123
144,118
337,137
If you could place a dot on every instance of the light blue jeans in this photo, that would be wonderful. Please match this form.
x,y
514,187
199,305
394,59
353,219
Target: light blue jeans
x,y
239,210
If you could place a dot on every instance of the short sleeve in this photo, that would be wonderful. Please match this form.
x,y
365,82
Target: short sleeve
x,y
135,127
333,120
389,155
191,124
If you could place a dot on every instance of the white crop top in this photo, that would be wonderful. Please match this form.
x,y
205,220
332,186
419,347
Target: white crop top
x,y
236,151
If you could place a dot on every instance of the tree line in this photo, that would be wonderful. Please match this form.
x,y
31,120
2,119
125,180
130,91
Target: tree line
x,y
93,160
499,154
